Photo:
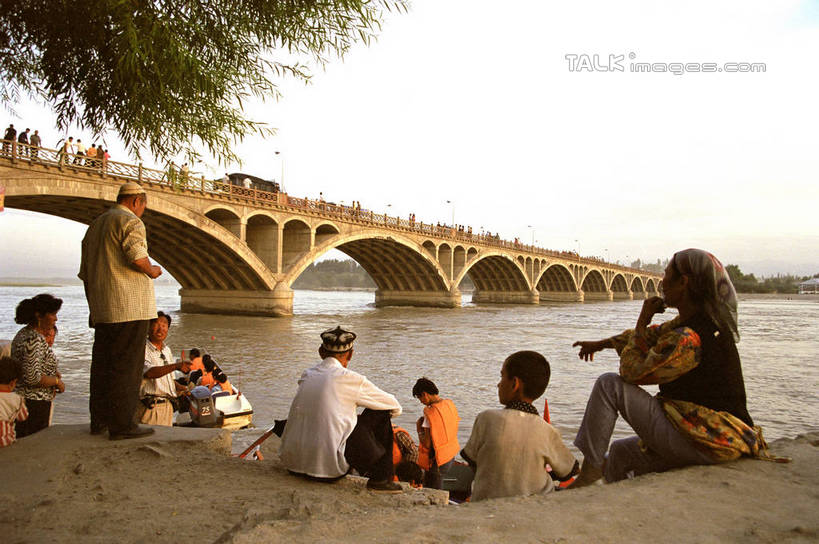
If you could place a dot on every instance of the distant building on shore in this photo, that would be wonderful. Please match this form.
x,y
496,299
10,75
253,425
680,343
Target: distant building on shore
x,y
810,287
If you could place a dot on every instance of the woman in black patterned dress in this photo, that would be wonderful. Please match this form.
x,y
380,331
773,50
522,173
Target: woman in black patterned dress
x,y
41,380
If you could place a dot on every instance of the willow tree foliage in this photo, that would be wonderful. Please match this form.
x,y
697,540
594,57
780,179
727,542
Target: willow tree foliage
x,y
171,75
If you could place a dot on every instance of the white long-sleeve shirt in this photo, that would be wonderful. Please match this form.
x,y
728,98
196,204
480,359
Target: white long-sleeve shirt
x,y
323,415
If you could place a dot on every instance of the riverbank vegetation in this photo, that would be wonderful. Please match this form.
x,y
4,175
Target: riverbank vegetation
x,y
748,283
343,275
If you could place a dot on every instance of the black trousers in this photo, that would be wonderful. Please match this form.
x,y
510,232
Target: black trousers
x,y
369,447
117,360
38,413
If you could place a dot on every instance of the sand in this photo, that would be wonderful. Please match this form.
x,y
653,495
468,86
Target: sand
x,y
63,485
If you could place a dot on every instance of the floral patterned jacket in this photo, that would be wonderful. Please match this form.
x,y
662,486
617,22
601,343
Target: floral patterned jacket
x,y
663,354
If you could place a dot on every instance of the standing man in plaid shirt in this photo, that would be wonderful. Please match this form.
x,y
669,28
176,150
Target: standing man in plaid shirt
x,y
117,276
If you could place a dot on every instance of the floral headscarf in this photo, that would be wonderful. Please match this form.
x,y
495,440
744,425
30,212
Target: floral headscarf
x,y
711,285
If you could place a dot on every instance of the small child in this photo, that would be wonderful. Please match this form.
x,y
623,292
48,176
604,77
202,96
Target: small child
x,y
12,405
509,448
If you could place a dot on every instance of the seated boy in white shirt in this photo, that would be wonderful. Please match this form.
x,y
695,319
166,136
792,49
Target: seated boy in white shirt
x,y
509,448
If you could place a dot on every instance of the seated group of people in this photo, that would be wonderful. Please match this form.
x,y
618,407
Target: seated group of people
x,y
698,417
166,384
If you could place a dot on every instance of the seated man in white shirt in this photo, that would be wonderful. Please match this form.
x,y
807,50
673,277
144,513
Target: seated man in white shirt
x,y
158,386
324,438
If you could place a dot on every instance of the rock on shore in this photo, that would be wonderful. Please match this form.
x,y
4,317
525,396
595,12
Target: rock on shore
x,y
63,485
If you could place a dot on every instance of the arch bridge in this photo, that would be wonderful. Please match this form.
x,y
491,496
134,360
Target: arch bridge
x,y
237,250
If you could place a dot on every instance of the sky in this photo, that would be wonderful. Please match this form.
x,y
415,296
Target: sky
x,y
503,110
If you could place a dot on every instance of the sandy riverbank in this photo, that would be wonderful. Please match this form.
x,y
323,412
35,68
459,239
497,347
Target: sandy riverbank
x,y
63,485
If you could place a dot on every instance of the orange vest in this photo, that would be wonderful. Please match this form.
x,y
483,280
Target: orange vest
x,y
226,386
443,430
207,379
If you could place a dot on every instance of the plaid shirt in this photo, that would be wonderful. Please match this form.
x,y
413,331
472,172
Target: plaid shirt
x,y
409,450
116,292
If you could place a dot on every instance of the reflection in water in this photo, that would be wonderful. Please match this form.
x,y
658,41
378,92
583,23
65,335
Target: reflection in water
x,y
460,349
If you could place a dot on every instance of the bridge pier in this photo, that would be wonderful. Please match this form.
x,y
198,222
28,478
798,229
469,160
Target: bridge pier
x,y
432,299
599,295
562,296
506,297
276,303
622,295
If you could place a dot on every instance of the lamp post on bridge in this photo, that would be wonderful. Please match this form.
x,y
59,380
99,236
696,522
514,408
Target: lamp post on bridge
x,y
452,202
281,162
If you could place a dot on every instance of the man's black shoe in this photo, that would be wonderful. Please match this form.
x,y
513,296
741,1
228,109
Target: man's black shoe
x,y
137,431
384,486
98,429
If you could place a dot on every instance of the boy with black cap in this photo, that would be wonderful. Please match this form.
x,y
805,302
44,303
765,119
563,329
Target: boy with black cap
x,y
323,438
510,448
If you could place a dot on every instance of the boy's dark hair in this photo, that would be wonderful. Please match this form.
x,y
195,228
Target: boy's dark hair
x,y
10,369
532,369
407,471
424,385
26,312
194,353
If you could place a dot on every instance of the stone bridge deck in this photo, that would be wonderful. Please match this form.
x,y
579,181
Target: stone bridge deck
x,y
237,251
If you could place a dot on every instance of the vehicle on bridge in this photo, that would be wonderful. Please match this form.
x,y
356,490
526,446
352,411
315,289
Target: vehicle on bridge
x,y
238,179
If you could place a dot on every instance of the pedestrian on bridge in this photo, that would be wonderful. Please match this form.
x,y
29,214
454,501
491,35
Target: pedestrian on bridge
x,y
35,142
117,274
10,135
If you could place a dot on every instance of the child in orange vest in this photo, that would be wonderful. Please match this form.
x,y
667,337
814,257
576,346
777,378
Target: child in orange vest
x,y
437,432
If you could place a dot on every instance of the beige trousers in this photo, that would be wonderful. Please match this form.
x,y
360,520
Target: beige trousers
x,y
160,414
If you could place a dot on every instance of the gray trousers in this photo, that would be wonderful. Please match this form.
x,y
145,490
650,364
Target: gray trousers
x,y
666,447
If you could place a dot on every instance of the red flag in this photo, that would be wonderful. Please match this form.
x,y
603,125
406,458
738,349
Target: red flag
x,y
2,197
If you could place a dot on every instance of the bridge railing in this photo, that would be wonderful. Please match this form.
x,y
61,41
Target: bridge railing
x,y
178,180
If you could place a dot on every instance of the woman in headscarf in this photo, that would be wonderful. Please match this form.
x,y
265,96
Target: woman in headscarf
x,y
41,380
700,414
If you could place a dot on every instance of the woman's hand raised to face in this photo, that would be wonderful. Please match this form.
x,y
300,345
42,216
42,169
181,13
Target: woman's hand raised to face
x,y
589,348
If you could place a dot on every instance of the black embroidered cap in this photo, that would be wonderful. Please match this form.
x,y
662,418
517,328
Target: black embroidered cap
x,y
337,340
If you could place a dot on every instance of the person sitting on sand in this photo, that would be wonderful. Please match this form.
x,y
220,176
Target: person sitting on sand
x,y
12,405
405,457
437,432
700,414
509,448
323,438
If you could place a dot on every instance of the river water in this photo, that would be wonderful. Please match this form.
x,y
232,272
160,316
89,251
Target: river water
x,y
461,350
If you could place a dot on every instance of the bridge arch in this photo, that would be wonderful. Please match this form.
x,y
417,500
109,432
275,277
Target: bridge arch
x,y
618,283
556,278
593,282
262,237
296,241
637,285
224,216
394,263
498,277
195,250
